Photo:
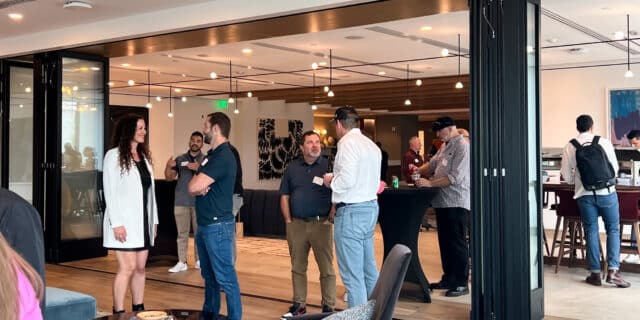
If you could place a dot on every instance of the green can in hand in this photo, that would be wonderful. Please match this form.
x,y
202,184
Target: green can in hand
x,y
394,182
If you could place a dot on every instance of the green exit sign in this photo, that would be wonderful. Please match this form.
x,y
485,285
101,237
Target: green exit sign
x,y
221,104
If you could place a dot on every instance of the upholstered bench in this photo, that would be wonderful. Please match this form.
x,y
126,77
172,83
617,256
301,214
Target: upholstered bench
x,y
65,304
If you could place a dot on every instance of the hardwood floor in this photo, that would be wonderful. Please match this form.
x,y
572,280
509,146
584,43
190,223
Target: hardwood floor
x,y
265,283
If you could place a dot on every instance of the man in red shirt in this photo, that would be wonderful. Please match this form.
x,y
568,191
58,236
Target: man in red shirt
x,y
412,157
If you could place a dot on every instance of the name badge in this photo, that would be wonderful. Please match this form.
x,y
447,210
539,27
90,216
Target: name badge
x,y
416,160
317,180
184,163
444,162
204,162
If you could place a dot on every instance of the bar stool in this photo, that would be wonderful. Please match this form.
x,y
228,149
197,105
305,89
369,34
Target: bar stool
x,y
568,212
629,215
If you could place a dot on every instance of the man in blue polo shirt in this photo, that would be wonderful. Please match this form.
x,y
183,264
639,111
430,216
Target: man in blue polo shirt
x,y
307,210
213,188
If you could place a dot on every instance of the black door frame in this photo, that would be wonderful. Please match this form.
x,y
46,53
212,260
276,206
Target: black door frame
x,y
49,65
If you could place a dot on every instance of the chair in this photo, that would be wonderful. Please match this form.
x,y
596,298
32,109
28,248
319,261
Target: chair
x,y
67,304
629,215
568,212
387,288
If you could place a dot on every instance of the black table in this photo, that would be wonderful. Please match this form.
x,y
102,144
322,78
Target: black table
x,y
401,212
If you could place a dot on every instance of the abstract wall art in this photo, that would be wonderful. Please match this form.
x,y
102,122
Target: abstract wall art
x,y
624,114
276,151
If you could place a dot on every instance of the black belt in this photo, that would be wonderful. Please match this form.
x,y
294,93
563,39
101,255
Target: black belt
x,y
344,204
311,219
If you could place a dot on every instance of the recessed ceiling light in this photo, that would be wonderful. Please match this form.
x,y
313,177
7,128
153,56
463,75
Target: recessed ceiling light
x,y
75,88
27,89
314,65
444,52
426,28
178,90
15,16
184,75
158,98
125,65
322,63
131,82
95,68
169,56
183,99
381,73
110,83
249,67
213,75
247,51
84,69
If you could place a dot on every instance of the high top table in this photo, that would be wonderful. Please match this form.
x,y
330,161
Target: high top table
x,y
400,217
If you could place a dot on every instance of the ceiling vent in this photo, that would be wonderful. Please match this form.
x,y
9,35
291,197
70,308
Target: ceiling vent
x,y
577,51
77,4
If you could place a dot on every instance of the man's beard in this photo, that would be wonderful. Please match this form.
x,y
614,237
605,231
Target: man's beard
x,y
195,148
207,138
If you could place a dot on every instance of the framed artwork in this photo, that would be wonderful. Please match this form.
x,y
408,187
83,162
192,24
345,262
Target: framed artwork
x,y
278,145
623,113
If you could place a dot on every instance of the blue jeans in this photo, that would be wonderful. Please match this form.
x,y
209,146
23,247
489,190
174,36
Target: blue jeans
x,y
607,207
353,233
215,246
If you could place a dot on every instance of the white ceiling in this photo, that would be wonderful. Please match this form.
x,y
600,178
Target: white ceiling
x,y
42,15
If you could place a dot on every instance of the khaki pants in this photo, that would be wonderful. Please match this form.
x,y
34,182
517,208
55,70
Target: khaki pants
x,y
185,218
316,235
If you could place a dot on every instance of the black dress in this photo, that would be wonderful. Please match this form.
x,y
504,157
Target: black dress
x,y
145,178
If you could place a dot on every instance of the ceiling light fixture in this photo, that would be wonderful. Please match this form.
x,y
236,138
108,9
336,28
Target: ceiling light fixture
x,y
247,51
459,83
158,98
381,73
110,83
407,102
629,73
322,63
125,65
330,93
213,75
326,89
236,110
314,66
231,99
618,35
15,16
131,82
177,90
149,105
313,94
249,94
77,4
444,52
183,99
170,114
426,28
419,82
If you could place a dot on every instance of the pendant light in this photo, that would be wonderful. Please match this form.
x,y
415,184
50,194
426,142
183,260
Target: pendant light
x,y
313,94
407,102
459,83
629,73
236,110
149,105
231,99
330,92
170,114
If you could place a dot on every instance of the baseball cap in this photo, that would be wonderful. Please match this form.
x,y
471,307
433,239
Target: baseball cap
x,y
442,123
345,113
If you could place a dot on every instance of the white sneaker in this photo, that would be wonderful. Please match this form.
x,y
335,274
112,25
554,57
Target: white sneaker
x,y
632,258
180,266
197,264
346,296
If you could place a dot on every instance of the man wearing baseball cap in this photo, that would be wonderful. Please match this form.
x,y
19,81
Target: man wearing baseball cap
x,y
354,185
449,170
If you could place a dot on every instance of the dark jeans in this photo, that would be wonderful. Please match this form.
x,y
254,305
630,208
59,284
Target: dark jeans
x,y
215,245
454,249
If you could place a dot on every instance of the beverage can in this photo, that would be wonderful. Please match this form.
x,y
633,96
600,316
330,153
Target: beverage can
x,y
394,182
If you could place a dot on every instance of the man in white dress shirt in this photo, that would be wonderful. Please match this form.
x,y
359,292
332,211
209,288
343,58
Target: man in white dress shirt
x,y
354,184
593,203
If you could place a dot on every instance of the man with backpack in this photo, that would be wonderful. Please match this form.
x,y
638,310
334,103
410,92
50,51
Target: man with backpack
x,y
590,163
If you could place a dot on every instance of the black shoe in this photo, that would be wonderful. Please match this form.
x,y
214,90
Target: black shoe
x,y
457,291
326,308
594,279
117,311
137,307
439,285
295,310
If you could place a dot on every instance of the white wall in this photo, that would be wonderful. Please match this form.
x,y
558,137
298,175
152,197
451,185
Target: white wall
x,y
170,136
566,94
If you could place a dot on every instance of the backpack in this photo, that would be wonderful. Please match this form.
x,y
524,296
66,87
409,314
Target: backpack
x,y
595,169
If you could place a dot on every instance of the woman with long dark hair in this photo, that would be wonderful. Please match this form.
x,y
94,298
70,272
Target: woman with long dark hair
x,y
131,218
20,286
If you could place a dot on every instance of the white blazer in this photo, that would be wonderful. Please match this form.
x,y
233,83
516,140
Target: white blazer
x,y
123,196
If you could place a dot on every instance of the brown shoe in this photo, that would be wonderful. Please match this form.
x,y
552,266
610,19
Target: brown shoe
x,y
614,277
594,279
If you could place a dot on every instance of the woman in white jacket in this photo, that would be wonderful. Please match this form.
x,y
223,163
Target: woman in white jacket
x,y
131,218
